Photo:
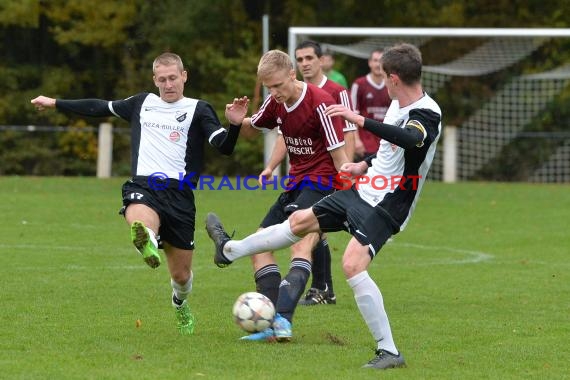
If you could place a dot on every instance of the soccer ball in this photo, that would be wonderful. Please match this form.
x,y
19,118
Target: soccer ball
x,y
253,312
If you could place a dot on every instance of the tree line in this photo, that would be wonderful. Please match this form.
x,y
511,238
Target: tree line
x,y
104,49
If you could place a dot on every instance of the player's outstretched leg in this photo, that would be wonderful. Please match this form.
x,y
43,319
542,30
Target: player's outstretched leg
x,y
385,360
185,319
144,244
220,237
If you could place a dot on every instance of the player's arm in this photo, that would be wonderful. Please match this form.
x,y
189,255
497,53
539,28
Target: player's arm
x,y
413,134
83,107
247,129
408,137
339,157
350,143
277,156
224,140
349,129
358,145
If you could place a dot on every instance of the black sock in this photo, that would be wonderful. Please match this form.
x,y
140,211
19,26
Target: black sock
x,y
321,256
327,265
267,280
292,287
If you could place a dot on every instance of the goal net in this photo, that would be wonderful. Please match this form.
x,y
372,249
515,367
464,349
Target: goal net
x,y
505,90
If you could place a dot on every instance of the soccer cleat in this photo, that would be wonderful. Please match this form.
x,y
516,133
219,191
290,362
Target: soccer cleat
x,y
186,320
266,335
385,360
282,329
316,296
143,244
220,237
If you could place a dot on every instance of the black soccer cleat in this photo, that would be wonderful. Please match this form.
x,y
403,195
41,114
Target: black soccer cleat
x,y
385,360
220,237
316,296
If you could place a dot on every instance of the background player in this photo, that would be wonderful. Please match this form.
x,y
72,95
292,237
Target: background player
x,y
370,98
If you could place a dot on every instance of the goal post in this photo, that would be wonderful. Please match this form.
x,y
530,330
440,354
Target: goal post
x,y
493,84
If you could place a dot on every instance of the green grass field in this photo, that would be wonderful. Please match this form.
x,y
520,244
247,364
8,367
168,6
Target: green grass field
x,y
477,287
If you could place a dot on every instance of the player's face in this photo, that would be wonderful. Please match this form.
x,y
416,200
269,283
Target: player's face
x,y
308,63
281,85
374,64
170,82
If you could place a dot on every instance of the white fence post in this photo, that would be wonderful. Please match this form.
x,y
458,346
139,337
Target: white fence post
x,y
450,153
105,150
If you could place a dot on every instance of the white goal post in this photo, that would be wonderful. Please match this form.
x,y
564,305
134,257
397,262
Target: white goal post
x,y
484,134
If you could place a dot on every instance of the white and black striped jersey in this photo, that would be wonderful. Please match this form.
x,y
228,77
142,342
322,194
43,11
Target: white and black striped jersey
x,y
165,137
396,175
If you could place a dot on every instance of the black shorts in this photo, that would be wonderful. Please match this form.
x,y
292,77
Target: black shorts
x,y
174,206
345,210
303,196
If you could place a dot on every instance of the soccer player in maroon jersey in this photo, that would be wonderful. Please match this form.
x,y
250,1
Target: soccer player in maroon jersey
x,y
315,145
370,213
370,98
308,55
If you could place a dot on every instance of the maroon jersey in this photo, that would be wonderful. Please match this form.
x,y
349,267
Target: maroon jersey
x,y
340,95
308,133
372,101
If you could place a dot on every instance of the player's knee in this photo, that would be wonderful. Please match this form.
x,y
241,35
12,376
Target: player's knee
x,y
300,222
180,276
355,260
350,268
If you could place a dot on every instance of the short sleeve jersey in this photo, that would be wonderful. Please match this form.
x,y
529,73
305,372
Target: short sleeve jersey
x,y
372,101
309,134
168,137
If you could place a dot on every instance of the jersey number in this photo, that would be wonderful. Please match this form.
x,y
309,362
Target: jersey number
x,y
135,196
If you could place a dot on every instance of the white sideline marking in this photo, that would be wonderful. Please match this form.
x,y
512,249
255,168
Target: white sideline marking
x,y
44,247
473,257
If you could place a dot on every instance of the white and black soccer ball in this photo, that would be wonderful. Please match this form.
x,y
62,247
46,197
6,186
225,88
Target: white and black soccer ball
x,y
253,312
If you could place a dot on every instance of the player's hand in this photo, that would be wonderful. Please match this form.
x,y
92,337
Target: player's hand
x,y
236,111
344,112
354,168
42,102
264,176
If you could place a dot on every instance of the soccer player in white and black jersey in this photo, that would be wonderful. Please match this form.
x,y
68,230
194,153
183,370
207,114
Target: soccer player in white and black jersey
x,y
370,211
168,133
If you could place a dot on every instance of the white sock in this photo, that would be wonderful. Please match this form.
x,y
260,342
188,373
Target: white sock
x,y
181,292
152,236
268,239
371,306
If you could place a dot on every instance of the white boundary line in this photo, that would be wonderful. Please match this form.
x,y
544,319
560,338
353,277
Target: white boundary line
x,y
473,257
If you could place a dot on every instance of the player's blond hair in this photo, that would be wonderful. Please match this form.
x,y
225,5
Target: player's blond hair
x,y
168,59
272,61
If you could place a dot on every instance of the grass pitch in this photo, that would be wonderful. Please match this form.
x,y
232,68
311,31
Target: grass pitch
x,y
477,287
